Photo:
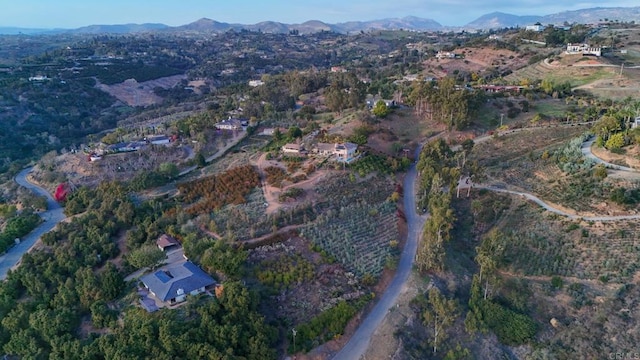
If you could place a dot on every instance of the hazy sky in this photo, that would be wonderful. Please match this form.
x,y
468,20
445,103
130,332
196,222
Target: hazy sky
x,y
76,13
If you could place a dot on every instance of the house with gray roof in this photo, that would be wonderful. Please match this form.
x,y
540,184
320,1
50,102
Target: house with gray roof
x,y
171,284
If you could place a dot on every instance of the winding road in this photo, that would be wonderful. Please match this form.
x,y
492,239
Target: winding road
x,y
554,210
51,217
359,342
586,151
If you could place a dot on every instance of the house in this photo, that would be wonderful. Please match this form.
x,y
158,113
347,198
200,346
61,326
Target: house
x,y
255,83
38,78
324,149
636,123
231,124
291,148
165,242
446,55
501,88
373,100
537,27
171,284
343,152
126,146
159,140
583,49
272,131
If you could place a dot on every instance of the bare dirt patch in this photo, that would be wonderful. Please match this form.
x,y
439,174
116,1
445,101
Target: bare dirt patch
x,y
134,93
475,60
631,158
77,168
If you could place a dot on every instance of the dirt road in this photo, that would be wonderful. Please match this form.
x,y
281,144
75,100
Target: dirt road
x,y
552,209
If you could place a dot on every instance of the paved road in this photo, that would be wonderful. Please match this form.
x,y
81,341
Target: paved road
x,y
51,217
586,151
359,342
550,208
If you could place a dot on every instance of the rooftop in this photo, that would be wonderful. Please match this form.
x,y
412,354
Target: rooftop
x,y
186,276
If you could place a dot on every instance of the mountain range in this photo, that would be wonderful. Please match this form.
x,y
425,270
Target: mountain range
x,y
493,20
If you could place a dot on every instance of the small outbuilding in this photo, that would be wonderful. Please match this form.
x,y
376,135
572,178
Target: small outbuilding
x,y
165,242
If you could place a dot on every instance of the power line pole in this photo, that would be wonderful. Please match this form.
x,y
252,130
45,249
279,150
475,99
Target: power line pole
x,y
293,331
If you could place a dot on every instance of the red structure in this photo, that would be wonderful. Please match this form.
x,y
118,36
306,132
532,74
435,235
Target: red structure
x,y
61,192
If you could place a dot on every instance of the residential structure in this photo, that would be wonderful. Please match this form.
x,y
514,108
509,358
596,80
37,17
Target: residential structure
x,y
172,284
583,49
537,27
159,140
342,152
165,242
636,123
232,124
345,152
373,100
446,55
126,146
501,88
38,78
295,149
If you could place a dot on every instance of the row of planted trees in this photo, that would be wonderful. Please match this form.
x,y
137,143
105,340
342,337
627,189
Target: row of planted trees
x,y
440,168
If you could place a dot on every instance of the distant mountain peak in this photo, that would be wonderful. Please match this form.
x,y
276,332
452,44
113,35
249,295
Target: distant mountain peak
x,y
493,20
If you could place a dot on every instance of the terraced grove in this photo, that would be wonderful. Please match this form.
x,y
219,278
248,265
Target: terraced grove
x,y
357,235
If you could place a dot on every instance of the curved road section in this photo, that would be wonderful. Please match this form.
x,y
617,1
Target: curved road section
x,y
359,342
51,217
586,151
550,208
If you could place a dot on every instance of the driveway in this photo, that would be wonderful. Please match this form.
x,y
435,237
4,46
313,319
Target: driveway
x,y
51,217
359,342
552,209
586,151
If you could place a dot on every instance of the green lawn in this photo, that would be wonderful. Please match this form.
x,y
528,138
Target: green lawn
x,y
555,108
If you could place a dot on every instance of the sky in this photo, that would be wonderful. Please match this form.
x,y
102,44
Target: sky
x,y
76,13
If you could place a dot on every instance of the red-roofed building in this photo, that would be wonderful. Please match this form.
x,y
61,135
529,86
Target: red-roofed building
x,y
166,241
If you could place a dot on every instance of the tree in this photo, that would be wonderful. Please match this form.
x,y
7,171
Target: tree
x,y
200,160
606,126
488,256
335,97
146,256
294,132
170,170
615,142
380,109
440,314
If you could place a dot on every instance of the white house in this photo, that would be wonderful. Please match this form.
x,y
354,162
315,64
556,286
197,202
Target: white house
x,y
38,78
583,49
255,83
446,55
159,140
636,123
537,27
231,124
343,152
295,149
